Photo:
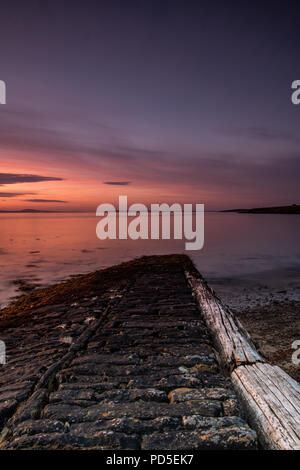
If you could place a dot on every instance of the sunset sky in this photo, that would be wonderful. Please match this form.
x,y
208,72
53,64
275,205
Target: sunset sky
x,y
162,101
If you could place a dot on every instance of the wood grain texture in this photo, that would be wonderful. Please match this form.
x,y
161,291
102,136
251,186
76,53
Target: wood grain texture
x,y
233,342
271,399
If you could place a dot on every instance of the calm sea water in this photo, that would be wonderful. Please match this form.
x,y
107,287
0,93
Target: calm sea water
x,y
45,248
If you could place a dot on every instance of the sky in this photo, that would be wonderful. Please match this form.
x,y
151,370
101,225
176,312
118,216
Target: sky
x,y
162,101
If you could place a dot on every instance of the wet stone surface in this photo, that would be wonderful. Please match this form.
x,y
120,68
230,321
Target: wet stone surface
x,y
133,368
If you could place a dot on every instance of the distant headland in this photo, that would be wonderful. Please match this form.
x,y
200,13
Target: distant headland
x,y
31,211
291,209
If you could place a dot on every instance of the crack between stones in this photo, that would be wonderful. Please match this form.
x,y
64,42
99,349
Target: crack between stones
x,y
47,383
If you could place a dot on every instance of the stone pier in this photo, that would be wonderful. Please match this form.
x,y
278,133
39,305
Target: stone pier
x,y
129,365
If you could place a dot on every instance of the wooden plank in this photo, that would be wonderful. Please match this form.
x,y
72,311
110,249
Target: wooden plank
x,y
294,387
271,400
232,340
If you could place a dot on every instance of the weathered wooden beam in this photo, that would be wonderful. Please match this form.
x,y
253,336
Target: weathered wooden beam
x,y
271,399
233,342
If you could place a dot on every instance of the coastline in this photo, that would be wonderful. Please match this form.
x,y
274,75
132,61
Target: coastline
x,y
274,328
268,305
291,209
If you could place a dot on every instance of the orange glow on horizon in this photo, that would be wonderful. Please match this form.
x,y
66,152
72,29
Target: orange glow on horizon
x,y
82,185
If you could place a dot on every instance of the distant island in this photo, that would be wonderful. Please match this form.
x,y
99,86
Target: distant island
x,y
292,209
32,211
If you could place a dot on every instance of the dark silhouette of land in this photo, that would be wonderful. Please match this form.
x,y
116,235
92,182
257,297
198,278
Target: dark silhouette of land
x,y
26,211
292,209
33,211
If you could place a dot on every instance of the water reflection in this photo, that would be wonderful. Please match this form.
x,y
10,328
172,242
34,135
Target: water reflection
x,y
45,248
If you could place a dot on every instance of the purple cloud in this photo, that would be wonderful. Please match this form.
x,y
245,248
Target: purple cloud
x,y
9,194
117,183
13,178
